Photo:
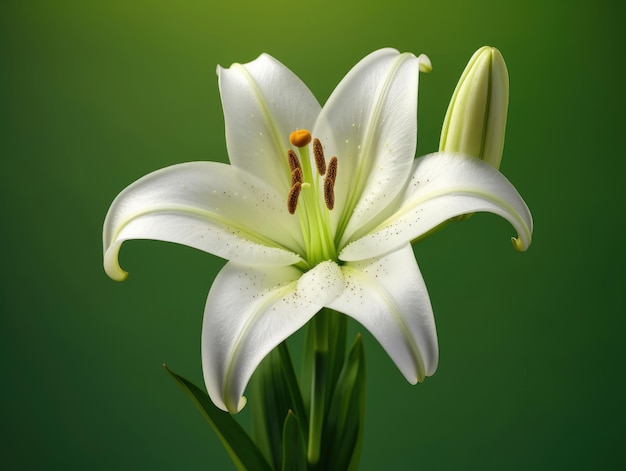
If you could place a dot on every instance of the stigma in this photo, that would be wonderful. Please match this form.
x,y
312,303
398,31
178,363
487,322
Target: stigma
x,y
300,138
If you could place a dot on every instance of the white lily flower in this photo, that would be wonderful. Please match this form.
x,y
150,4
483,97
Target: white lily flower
x,y
303,231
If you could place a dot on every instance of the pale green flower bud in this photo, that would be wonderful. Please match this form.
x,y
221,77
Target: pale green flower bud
x,y
475,122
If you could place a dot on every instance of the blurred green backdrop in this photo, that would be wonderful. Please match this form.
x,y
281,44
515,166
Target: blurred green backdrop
x,y
95,94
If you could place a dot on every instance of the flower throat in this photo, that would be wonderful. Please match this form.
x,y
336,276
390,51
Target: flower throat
x,y
303,195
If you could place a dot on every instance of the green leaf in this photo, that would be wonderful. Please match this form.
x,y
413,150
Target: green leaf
x,y
343,428
275,394
294,447
242,450
337,333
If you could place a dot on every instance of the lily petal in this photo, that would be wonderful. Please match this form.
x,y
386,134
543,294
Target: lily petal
x,y
249,311
388,296
263,103
210,206
370,124
443,186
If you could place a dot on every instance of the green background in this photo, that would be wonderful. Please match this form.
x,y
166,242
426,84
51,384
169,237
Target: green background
x,y
95,94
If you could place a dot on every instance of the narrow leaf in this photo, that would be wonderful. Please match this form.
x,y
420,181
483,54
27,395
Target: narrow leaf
x,y
275,394
336,326
343,431
337,332
240,447
294,447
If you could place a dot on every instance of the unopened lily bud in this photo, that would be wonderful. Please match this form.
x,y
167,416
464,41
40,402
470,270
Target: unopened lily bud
x,y
475,122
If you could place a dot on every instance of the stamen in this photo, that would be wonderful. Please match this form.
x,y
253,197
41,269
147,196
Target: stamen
x,y
292,198
318,152
329,193
294,163
296,176
300,138
332,169
329,184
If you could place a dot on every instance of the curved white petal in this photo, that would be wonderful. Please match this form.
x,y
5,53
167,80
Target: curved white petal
x,y
388,296
443,186
263,103
370,124
210,206
249,311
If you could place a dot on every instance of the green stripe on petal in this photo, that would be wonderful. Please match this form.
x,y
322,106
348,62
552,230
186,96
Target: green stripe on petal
x,y
443,186
210,206
389,297
370,124
263,103
249,311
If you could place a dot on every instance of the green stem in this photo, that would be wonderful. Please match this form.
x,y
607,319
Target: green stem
x,y
318,386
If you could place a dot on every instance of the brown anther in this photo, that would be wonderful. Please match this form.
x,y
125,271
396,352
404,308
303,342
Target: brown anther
x,y
331,173
296,176
294,163
329,193
292,198
318,153
300,138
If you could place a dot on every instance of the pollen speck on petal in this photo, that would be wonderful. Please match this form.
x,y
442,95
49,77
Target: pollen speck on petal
x,y
323,284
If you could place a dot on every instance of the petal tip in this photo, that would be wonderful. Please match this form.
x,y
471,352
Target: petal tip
x,y
518,244
240,405
116,274
424,63
111,264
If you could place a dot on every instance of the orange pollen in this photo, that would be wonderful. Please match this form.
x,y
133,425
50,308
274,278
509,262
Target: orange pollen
x,y
300,138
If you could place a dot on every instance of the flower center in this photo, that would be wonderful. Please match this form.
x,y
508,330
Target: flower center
x,y
312,195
